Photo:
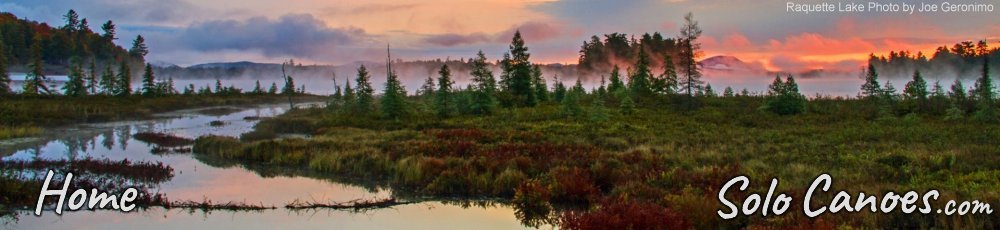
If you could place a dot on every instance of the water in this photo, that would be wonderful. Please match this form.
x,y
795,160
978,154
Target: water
x,y
196,180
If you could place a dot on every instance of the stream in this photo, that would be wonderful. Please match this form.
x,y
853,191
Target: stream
x,y
202,179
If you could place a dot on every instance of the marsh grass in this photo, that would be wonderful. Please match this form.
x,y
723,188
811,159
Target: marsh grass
x,y
18,132
655,161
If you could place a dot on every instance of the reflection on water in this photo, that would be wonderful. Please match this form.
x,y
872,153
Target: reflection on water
x,y
198,179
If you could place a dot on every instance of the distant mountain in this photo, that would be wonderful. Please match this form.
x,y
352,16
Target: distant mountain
x,y
241,64
728,64
162,64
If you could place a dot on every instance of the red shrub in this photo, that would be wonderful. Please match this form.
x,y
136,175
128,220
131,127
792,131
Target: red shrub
x,y
621,214
573,185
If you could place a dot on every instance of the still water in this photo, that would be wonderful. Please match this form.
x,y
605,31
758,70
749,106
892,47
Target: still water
x,y
200,179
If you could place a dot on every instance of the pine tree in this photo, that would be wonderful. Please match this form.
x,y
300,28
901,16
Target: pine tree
x,y
627,106
363,92
616,84
349,97
517,74
571,103
4,76
427,89
598,113
484,86
394,98
220,90
289,88
728,92
639,80
257,90
139,49
108,80
34,81
124,80
75,86
538,83
444,104
170,89
784,97
602,91
72,21
149,82
985,95
92,84
109,30
871,89
709,92
667,82
690,51
558,90
916,91
274,89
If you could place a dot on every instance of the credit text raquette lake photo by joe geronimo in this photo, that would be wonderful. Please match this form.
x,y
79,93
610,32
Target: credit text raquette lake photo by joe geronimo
x,y
499,114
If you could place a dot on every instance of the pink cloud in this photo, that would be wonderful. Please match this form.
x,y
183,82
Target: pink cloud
x,y
816,44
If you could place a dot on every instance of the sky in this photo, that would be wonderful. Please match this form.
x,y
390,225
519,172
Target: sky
x,y
186,32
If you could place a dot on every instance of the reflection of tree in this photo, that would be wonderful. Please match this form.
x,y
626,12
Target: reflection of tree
x,y
124,133
107,139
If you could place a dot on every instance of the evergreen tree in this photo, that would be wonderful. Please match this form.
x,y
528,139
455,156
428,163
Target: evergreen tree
x,y
602,91
538,83
139,49
363,92
871,89
709,91
289,88
690,51
92,84
274,89
889,92
109,30
985,95
616,84
219,89
639,81
108,81
667,82
517,74
394,98
427,89
598,113
170,89
189,90
916,91
258,90
149,82
957,93
349,98
784,97
558,90
75,86
4,76
728,92
627,106
571,103
444,103
72,21
483,101
34,81
124,80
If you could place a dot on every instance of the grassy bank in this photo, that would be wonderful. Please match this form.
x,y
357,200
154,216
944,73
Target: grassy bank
x,y
27,116
656,161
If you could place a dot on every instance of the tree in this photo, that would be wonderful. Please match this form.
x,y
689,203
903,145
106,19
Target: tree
x,y
363,92
274,89
916,90
709,92
289,87
108,80
538,83
139,49
616,84
4,76
427,89
149,82
571,103
728,92
218,86
72,21
784,97
985,95
627,106
558,90
109,30
257,90
444,104
92,84
871,89
516,76
484,86
667,82
690,51
349,97
75,87
639,82
393,98
124,80
34,81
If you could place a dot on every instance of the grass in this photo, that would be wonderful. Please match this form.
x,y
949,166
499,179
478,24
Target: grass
x,y
18,132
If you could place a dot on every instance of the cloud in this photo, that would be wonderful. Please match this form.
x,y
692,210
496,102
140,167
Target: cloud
x,y
300,35
532,31
817,44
